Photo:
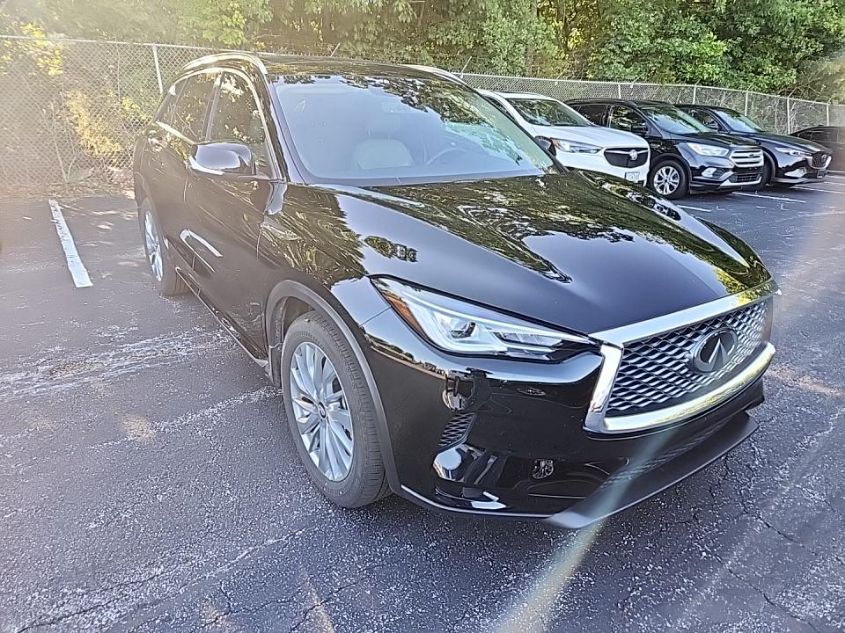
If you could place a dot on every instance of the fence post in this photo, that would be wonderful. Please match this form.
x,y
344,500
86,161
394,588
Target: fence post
x,y
695,93
158,69
619,89
789,115
746,103
827,113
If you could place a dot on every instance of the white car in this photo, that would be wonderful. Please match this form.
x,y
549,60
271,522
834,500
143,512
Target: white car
x,y
578,142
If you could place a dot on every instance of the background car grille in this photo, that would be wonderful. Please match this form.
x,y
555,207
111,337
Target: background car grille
x,y
753,177
656,373
621,157
819,160
747,157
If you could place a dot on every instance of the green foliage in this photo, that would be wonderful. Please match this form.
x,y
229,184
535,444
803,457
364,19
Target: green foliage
x,y
781,46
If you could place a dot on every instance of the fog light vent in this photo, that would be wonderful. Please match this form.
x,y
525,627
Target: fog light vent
x,y
456,430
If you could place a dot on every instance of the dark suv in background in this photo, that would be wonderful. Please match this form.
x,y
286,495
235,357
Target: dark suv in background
x,y
685,155
788,160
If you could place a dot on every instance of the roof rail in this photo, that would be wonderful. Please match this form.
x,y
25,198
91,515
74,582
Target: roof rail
x,y
434,70
247,57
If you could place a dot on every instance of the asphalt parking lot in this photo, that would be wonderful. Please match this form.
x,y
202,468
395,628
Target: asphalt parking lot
x,y
147,482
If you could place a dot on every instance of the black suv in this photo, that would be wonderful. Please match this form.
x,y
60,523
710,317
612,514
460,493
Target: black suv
x,y
685,155
787,160
450,314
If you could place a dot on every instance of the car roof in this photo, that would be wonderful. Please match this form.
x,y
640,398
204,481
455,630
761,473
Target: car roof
x,y
613,101
518,95
277,65
704,106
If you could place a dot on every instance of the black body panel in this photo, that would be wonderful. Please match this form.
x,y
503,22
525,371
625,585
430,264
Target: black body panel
x,y
576,252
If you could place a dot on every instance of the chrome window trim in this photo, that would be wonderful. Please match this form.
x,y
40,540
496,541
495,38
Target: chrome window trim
x,y
613,342
625,334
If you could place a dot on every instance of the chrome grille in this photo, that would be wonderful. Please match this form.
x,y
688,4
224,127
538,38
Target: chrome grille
x,y
656,372
747,157
621,157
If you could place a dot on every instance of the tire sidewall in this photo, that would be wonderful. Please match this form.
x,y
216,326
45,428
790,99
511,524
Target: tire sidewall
x,y
170,283
316,329
683,184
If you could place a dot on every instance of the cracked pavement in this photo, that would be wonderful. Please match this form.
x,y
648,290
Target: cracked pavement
x,y
147,482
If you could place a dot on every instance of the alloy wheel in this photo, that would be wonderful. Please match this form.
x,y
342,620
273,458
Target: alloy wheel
x,y
153,243
322,414
666,180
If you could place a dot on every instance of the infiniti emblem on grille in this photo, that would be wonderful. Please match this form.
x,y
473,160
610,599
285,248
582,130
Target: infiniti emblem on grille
x,y
713,351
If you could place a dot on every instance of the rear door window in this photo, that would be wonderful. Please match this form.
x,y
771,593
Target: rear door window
x,y
594,112
624,118
192,105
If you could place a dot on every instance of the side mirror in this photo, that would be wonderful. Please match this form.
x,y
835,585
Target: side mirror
x,y
712,125
639,129
546,144
220,159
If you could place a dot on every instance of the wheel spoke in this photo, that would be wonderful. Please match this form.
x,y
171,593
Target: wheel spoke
x,y
344,441
319,406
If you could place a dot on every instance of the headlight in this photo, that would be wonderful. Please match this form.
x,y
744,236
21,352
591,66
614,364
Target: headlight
x,y
465,328
792,152
708,150
575,148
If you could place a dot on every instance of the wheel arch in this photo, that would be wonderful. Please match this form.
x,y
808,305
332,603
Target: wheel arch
x,y
290,299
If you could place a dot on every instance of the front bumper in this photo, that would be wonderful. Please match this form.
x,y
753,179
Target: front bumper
x,y
795,170
713,173
511,438
597,162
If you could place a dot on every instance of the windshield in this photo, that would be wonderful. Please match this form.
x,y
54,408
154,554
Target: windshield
x,y
364,130
738,122
673,120
546,112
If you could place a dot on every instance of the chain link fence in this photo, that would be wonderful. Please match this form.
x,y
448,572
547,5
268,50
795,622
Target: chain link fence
x,y
71,109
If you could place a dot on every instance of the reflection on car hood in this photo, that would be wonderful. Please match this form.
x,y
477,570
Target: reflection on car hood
x,y
594,135
585,252
788,141
717,138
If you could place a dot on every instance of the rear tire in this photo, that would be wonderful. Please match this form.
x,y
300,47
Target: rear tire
x,y
167,280
669,179
337,420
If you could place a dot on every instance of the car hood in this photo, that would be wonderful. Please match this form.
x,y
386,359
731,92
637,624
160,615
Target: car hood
x,y
593,134
766,138
586,252
717,138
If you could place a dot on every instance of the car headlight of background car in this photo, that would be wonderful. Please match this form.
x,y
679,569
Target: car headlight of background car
x,y
575,148
792,152
460,327
708,150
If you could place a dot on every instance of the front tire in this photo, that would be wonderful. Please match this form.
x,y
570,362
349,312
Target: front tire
x,y
167,280
766,176
669,179
330,413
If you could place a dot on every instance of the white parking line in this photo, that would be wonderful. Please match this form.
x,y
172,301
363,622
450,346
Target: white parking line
x,y
74,263
686,206
757,195
803,188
